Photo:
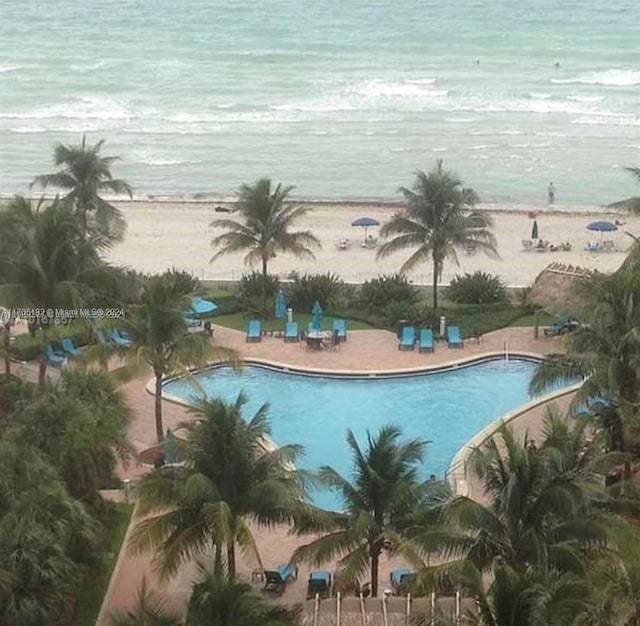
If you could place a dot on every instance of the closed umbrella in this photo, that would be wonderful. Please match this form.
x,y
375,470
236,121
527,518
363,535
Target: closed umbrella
x,y
365,222
316,322
534,230
602,226
281,305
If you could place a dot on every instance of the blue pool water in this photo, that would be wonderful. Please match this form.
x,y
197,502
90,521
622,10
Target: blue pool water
x,y
446,408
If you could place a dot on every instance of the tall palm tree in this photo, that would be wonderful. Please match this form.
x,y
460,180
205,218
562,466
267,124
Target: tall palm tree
x,y
47,262
230,477
265,228
86,174
216,601
384,492
438,219
160,337
544,505
604,352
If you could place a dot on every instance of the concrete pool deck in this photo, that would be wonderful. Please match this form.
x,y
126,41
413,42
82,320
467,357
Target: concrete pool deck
x,y
365,350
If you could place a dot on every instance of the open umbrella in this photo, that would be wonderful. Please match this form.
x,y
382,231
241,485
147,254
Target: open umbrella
x,y
200,306
316,322
365,222
281,305
534,230
602,227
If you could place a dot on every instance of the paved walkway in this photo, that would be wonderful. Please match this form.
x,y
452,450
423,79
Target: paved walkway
x,y
366,350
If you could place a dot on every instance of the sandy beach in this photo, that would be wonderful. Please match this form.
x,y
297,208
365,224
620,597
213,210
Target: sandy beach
x,y
163,234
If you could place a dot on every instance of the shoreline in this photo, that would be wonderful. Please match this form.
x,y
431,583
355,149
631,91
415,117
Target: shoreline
x,y
203,199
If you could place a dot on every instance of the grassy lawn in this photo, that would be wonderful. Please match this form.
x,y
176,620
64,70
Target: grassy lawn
x,y
239,321
97,580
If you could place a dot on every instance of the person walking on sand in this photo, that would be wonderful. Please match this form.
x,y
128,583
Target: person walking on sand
x,y
552,193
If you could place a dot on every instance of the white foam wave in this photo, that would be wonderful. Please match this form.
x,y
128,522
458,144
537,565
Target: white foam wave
x,y
612,77
609,120
540,96
150,158
8,68
586,98
460,120
484,146
78,108
511,132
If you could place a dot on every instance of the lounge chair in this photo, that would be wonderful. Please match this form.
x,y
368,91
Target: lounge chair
x,y
276,580
102,337
408,339
291,332
454,338
400,581
53,356
561,326
118,339
426,340
319,584
254,330
340,326
69,346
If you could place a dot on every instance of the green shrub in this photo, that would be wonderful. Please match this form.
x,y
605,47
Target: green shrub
x,y
183,282
304,290
524,302
380,292
477,288
227,305
251,286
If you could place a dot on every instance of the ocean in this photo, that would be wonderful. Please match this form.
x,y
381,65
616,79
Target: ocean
x,y
341,98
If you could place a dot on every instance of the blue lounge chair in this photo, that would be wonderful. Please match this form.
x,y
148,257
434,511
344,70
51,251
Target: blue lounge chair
x,y
408,340
340,327
454,339
426,340
319,584
276,580
118,339
254,330
400,580
291,332
69,346
53,356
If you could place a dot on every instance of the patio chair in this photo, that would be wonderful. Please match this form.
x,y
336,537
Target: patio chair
x,y
291,332
561,326
69,346
319,584
400,581
54,356
276,580
426,340
454,338
408,339
340,327
254,331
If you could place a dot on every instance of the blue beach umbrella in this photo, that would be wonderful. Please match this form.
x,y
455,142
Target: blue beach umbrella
x,y
316,322
200,306
365,222
281,305
602,227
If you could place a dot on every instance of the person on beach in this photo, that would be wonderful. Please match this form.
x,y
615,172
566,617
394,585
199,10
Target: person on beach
x,y
552,193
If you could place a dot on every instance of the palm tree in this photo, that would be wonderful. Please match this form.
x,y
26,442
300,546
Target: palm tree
x,y
230,477
47,262
160,338
149,610
265,228
545,506
216,601
605,353
438,219
86,174
384,492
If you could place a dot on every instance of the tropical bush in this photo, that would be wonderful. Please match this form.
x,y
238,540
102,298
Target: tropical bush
x,y
477,288
250,286
380,292
304,290
182,282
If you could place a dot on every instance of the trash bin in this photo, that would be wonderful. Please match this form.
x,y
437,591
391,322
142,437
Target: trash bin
x,y
401,326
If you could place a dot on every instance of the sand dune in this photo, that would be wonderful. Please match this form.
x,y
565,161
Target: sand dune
x,y
178,234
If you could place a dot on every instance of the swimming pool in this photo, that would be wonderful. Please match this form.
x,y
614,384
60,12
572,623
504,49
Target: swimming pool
x,y
446,408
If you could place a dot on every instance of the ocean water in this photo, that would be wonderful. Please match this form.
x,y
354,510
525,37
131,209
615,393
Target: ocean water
x,y
342,98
